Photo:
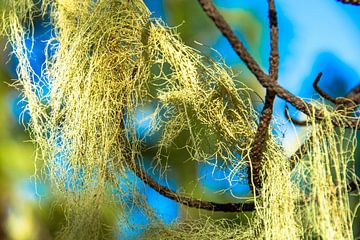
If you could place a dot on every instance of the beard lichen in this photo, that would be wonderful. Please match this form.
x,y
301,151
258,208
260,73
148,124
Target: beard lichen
x,y
111,58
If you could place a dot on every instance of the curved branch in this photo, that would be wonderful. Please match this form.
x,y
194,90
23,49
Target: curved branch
x,y
253,66
293,120
321,92
201,204
189,201
305,107
183,200
351,99
354,94
208,205
353,2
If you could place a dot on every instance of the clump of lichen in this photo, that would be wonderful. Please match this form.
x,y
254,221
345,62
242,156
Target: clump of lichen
x,y
111,58
324,173
203,228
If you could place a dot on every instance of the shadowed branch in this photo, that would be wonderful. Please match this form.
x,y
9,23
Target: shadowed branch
x,y
264,79
267,112
273,89
353,2
189,201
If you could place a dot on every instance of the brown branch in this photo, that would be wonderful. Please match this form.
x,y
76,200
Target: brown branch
x,y
321,92
274,42
307,108
267,112
353,2
273,89
200,204
238,46
349,102
352,99
189,201
253,66
293,120
259,142
353,96
183,200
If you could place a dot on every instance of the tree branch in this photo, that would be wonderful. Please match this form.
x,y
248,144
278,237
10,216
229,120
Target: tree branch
x,y
253,66
189,201
235,42
321,92
352,99
353,2
273,89
293,120
267,112
183,200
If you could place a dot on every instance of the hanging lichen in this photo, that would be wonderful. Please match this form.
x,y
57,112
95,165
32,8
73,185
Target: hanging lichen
x,y
111,58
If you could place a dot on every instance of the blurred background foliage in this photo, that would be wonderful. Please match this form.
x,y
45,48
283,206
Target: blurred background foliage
x,y
315,36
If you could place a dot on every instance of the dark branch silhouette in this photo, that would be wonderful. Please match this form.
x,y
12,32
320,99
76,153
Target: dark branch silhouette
x,y
293,120
353,2
320,91
267,112
273,89
264,79
189,201
352,99
325,95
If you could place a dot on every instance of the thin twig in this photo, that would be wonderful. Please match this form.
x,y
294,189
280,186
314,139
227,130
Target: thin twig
x,y
293,120
183,200
189,201
352,99
267,112
353,2
268,81
325,95
235,42
349,102
321,92
253,66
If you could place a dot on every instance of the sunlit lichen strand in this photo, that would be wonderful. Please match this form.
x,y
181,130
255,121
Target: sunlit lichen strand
x,y
111,58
